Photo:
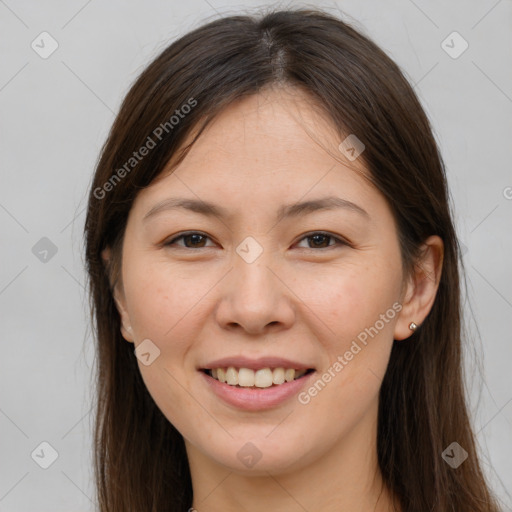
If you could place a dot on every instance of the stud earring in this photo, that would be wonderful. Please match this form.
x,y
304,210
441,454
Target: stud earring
x,y
413,326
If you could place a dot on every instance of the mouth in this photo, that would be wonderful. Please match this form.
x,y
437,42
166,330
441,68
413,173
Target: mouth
x,y
256,379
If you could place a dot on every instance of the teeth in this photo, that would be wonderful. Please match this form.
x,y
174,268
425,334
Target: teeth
x,y
263,378
231,376
246,377
278,376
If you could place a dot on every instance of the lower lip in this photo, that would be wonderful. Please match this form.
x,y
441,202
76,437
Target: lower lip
x,y
256,399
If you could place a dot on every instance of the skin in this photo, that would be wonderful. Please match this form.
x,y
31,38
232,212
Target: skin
x,y
197,300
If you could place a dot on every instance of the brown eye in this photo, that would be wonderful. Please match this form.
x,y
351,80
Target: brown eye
x,y
322,240
196,240
191,240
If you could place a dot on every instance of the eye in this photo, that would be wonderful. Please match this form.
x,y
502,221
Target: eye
x,y
320,238
194,238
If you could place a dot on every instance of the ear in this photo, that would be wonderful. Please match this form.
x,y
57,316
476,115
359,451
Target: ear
x,y
119,299
421,288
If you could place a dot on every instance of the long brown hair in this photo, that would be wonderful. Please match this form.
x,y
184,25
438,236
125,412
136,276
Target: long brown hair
x,y
140,458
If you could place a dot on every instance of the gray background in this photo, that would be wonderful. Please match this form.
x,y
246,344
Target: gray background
x,y
55,115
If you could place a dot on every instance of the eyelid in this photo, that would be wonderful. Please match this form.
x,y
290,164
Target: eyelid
x,y
339,241
184,234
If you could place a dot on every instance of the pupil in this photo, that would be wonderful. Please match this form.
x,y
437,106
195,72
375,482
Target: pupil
x,y
195,238
316,237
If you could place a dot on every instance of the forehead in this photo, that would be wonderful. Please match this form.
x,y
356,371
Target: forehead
x,y
277,146
266,131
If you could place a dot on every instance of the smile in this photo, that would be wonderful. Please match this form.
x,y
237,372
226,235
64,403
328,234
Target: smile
x,y
261,378
256,390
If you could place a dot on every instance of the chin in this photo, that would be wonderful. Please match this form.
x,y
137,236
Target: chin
x,y
258,456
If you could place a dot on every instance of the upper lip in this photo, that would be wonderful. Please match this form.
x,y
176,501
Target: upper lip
x,y
256,364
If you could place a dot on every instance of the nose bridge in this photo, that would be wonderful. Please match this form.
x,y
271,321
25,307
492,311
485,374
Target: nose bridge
x,y
255,297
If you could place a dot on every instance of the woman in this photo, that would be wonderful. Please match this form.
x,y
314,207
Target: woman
x,y
274,277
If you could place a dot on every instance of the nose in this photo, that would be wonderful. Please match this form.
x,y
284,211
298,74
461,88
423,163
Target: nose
x,y
254,298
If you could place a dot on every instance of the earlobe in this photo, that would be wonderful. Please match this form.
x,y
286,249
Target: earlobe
x,y
105,256
402,326
127,333
126,328
421,289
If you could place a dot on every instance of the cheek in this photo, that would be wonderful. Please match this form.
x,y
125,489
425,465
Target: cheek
x,y
357,307
161,308
347,300
160,301
356,303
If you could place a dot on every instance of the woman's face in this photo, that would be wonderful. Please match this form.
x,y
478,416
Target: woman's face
x,y
266,283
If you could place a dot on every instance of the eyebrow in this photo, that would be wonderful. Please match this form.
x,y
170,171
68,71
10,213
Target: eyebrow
x,y
290,210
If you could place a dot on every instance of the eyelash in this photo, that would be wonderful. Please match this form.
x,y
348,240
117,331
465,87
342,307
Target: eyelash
x,y
338,241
